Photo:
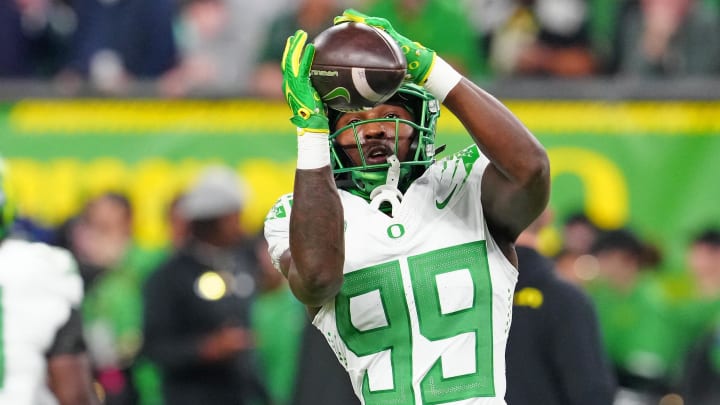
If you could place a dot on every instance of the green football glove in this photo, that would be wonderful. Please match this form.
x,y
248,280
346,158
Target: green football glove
x,y
304,101
420,60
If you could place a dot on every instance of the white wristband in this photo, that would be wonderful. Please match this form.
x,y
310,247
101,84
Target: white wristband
x,y
442,79
313,150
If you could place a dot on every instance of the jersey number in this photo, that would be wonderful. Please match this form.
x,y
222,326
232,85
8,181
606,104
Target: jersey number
x,y
432,276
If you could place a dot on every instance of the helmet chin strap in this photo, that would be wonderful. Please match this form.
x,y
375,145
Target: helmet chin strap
x,y
389,191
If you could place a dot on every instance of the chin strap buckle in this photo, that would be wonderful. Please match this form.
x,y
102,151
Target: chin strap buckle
x,y
389,191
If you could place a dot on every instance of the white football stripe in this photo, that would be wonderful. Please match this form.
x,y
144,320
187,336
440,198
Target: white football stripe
x,y
363,87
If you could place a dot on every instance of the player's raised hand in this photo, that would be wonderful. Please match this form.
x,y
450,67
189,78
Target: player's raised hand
x,y
308,110
420,60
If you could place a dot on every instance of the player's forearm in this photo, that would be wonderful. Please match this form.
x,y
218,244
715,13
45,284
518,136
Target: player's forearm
x,y
499,134
70,379
316,237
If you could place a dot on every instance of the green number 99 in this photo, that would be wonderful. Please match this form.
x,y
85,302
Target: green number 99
x,y
460,274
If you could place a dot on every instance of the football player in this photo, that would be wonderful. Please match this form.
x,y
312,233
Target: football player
x,y
42,351
407,264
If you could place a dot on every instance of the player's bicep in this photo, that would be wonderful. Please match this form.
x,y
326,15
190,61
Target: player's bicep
x,y
509,206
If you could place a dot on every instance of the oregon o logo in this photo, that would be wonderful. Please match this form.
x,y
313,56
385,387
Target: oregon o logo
x,y
395,231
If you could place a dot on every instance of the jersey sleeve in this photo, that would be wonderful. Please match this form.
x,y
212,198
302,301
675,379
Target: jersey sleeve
x,y
62,275
277,229
474,161
460,173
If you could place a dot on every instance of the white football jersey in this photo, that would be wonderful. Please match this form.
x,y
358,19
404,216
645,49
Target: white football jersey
x,y
425,308
39,285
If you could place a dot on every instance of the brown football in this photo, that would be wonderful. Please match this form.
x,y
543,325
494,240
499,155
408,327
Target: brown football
x,y
356,66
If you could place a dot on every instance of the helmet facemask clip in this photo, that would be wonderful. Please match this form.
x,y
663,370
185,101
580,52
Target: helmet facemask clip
x,y
389,191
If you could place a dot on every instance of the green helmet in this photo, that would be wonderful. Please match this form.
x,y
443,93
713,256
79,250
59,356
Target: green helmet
x,y
362,179
7,205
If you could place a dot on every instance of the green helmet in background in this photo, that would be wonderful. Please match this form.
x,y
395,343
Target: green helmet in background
x,y
7,204
362,179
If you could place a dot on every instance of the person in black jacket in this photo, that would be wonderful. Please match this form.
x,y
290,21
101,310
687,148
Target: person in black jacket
x,y
700,382
554,353
197,304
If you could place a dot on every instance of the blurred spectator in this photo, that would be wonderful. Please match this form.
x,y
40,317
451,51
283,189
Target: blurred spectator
x,y
15,47
574,268
313,16
177,224
114,268
643,333
695,293
536,37
43,358
574,262
118,41
669,37
654,328
198,303
579,234
703,259
554,337
101,235
34,37
604,22
440,25
219,41
700,383
145,373
321,379
276,305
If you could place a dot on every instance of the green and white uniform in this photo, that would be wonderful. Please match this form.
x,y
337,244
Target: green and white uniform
x,y
39,285
425,307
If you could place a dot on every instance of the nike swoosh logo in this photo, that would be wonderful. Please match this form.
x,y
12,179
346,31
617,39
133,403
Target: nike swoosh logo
x,y
337,92
441,204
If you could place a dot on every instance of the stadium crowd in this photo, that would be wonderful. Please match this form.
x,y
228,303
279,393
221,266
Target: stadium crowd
x,y
186,47
660,330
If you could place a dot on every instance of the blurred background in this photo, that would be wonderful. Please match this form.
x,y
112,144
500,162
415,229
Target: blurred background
x,y
135,97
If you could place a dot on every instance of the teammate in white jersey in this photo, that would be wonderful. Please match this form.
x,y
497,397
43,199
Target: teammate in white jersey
x,y
406,264
42,352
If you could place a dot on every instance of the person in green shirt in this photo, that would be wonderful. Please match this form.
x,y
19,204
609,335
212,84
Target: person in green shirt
x,y
114,268
647,329
440,25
